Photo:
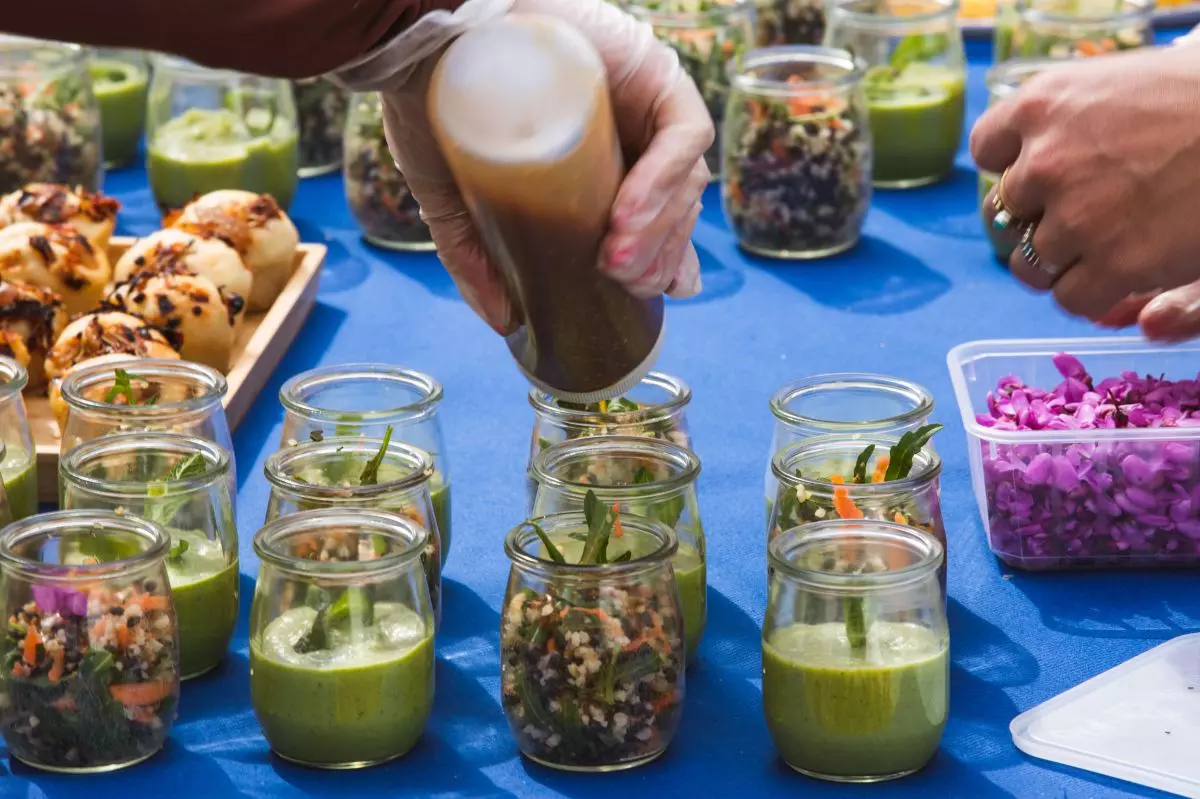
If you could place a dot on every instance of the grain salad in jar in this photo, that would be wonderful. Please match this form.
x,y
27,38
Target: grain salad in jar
x,y
797,150
321,114
1061,29
789,22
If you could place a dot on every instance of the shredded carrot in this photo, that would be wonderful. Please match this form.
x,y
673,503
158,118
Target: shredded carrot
x,y
843,506
1087,48
137,694
838,480
150,603
32,639
618,531
99,628
899,518
663,702
20,669
551,646
56,670
122,636
881,466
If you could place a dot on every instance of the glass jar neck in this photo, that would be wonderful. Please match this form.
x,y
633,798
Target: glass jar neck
x,y
78,546
658,399
375,544
617,466
682,15
140,465
651,546
858,557
812,463
823,403
1057,14
155,391
13,379
898,18
335,396
333,470
22,58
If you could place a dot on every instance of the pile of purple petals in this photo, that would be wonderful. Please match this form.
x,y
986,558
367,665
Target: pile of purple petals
x,y
1063,505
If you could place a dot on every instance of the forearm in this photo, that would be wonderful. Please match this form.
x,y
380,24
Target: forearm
x,y
288,38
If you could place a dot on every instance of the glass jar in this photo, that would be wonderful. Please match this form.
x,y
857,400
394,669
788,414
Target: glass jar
x,y
855,650
376,191
121,80
49,117
615,628
655,408
321,112
816,483
789,22
1068,29
797,150
643,477
341,648
329,474
707,37
364,400
1003,80
850,405
161,396
18,467
181,483
915,83
91,653
210,129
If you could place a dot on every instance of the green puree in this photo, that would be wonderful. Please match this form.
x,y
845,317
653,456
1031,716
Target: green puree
x,y
364,700
205,591
20,484
832,714
691,577
916,123
121,90
441,513
206,150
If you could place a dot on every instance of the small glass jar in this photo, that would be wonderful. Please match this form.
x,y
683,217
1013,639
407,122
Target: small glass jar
x,y
49,118
91,651
1062,29
341,648
328,474
181,483
797,149
591,656
855,649
816,483
643,477
162,396
364,400
321,113
706,37
789,22
655,408
210,129
121,81
376,191
18,467
850,405
915,83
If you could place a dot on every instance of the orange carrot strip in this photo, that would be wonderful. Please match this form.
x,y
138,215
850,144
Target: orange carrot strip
x,y
122,636
843,506
32,639
618,531
137,694
150,603
56,670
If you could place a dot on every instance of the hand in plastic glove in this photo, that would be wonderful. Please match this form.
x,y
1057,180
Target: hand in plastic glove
x,y
1104,154
660,117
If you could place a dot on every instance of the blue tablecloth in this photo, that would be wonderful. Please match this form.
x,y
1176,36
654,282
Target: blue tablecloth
x,y
922,280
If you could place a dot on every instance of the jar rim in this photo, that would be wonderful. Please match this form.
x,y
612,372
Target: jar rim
x,y
80,380
519,538
292,394
1132,10
216,461
280,466
25,529
784,549
13,377
376,522
927,464
742,77
920,397
679,394
876,21
1005,76
69,55
713,17
682,460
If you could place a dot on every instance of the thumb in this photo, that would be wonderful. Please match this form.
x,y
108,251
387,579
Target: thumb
x,y
1173,315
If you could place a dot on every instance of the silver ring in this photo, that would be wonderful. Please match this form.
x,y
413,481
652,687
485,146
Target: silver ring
x,y
1031,255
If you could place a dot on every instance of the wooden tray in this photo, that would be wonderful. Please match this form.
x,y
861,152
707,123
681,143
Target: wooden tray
x,y
261,343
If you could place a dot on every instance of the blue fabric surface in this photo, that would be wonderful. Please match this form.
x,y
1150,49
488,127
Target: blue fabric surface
x,y
922,281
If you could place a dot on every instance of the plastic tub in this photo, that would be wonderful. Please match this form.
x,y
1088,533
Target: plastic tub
x,y
1130,497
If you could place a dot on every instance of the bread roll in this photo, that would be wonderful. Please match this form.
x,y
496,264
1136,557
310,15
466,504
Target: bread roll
x,y
210,258
254,226
93,215
55,257
31,319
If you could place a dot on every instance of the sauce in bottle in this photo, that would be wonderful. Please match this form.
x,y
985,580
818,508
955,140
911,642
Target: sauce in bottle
x,y
521,110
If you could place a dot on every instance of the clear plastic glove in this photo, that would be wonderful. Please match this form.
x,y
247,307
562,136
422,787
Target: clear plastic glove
x,y
1104,154
661,119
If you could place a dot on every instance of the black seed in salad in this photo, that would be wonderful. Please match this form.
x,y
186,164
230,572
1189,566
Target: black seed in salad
x,y
321,108
798,176
48,134
789,22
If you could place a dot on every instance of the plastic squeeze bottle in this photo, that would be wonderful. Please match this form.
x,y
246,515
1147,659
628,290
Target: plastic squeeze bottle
x,y
521,110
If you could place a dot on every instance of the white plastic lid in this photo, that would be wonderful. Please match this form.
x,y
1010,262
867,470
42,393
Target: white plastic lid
x,y
1138,722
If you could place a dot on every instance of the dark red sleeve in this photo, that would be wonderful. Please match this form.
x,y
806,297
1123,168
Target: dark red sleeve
x,y
287,38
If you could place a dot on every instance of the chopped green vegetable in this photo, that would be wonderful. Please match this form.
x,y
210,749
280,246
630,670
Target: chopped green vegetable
x,y
159,507
860,465
905,450
122,386
856,625
555,555
175,555
370,472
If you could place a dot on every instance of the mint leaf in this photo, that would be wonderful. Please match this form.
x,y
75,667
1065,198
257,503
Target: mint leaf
x,y
122,387
370,472
860,465
175,555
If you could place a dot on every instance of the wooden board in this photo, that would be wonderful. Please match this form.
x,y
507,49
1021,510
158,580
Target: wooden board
x,y
261,343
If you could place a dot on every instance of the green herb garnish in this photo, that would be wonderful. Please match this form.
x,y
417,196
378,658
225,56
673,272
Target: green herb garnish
x,y
176,553
351,603
370,472
860,465
122,387
601,523
904,451
856,625
161,509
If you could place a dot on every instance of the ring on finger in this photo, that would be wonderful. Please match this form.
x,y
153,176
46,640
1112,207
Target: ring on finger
x,y
1031,255
1005,216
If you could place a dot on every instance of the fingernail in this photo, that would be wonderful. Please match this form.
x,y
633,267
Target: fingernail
x,y
1164,304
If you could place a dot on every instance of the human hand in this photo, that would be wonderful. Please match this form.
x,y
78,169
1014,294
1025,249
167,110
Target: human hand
x,y
1102,154
661,119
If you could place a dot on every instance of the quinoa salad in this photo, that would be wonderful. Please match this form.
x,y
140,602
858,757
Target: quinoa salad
x,y
798,175
321,108
49,134
1022,41
789,22
90,677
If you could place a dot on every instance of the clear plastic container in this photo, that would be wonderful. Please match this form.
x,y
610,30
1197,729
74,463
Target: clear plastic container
x,y
1072,511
